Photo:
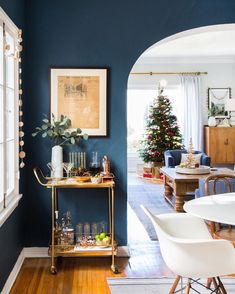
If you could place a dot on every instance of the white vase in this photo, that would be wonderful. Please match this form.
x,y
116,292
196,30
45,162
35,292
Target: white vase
x,y
211,121
57,160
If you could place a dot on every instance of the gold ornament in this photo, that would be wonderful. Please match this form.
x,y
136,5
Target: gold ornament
x,y
21,124
22,164
22,154
21,134
21,143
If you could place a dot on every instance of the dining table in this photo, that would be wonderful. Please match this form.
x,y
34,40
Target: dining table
x,y
216,208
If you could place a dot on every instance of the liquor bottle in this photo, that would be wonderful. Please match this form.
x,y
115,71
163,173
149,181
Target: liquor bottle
x,y
57,229
69,230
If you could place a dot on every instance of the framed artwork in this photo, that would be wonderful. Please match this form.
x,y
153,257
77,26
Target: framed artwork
x,y
81,95
217,98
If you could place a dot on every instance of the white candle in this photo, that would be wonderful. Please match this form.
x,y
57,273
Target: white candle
x,y
84,159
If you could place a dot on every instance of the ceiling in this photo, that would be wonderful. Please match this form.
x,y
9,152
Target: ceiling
x,y
206,44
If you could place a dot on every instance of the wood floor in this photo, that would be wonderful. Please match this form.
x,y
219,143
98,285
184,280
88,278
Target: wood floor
x,y
88,275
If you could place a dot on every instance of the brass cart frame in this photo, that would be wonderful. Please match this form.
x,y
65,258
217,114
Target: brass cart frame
x,y
109,185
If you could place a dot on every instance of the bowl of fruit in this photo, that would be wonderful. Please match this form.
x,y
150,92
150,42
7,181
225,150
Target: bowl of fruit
x,y
102,240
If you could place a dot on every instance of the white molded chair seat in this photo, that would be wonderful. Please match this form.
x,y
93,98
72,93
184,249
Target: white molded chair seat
x,y
188,248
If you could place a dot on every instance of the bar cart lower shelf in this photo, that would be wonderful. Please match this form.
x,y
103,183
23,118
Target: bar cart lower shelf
x,y
77,251
73,250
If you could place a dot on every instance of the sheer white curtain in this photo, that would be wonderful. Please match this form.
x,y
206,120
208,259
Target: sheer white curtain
x,y
190,85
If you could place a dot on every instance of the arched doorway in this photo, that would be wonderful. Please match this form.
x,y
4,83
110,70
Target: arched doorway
x,y
208,50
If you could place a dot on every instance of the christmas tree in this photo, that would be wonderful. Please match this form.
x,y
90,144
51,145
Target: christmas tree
x,y
162,132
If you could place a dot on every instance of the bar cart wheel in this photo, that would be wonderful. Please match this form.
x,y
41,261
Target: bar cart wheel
x,y
114,269
53,270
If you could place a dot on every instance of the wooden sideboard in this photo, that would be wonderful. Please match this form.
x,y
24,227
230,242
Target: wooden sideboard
x,y
220,144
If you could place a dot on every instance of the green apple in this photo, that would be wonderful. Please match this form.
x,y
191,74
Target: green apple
x,y
106,239
102,235
97,237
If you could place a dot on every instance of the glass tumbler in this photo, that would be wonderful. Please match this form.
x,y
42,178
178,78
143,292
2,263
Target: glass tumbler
x,y
94,229
86,229
79,232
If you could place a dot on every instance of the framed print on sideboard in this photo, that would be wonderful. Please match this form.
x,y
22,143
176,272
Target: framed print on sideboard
x,y
217,98
81,95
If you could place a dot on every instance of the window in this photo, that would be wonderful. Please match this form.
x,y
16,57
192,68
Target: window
x,y
9,123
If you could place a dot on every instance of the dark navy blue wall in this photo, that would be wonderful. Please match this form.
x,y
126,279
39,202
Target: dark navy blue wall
x,y
78,33
102,33
11,242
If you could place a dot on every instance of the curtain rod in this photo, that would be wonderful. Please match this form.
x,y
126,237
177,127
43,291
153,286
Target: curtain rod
x,y
167,73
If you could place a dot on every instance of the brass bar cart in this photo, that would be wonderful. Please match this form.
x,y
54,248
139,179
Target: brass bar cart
x,y
54,250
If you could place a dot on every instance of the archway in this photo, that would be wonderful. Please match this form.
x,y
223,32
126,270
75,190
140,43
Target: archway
x,y
207,49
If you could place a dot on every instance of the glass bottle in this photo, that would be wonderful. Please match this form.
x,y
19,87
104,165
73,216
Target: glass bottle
x,y
67,236
94,167
57,229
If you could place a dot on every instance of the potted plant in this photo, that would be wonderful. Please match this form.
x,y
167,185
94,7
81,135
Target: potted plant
x,y
60,132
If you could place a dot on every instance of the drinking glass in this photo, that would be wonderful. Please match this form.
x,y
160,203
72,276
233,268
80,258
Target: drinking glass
x,y
67,167
53,167
94,229
86,229
103,227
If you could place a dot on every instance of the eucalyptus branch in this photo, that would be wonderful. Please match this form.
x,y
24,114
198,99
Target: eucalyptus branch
x,y
59,130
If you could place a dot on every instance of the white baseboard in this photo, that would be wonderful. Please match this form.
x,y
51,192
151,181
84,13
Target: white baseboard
x,y
13,275
31,252
40,252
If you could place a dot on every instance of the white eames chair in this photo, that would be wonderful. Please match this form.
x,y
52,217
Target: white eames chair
x,y
189,250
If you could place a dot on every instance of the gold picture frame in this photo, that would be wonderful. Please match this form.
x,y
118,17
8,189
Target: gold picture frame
x,y
81,95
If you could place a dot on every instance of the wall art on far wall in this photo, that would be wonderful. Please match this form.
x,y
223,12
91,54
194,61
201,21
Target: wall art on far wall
x,y
81,94
217,98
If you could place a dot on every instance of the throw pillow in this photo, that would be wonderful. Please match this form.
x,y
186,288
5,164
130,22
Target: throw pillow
x,y
196,157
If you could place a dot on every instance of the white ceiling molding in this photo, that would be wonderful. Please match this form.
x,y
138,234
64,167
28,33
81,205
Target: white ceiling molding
x,y
210,44
196,59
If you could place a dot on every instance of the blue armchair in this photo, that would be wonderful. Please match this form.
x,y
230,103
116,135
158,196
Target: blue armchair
x,y
173,157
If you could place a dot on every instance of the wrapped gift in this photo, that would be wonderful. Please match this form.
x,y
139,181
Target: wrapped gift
x,y
147,175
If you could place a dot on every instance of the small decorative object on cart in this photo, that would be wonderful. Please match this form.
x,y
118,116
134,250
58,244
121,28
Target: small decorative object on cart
x,y
96,179
105,166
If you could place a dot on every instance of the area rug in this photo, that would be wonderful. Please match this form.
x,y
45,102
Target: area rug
x,y
157,286
151,196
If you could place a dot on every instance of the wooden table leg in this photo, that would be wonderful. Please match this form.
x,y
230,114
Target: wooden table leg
x,y
168,191
179,203
180,190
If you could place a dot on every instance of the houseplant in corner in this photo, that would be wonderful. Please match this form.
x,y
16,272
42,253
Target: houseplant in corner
x,y
60,132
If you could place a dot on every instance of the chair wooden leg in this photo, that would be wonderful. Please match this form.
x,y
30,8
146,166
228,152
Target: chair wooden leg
x,y
187,289
208,284
216,285
221,285
175,284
